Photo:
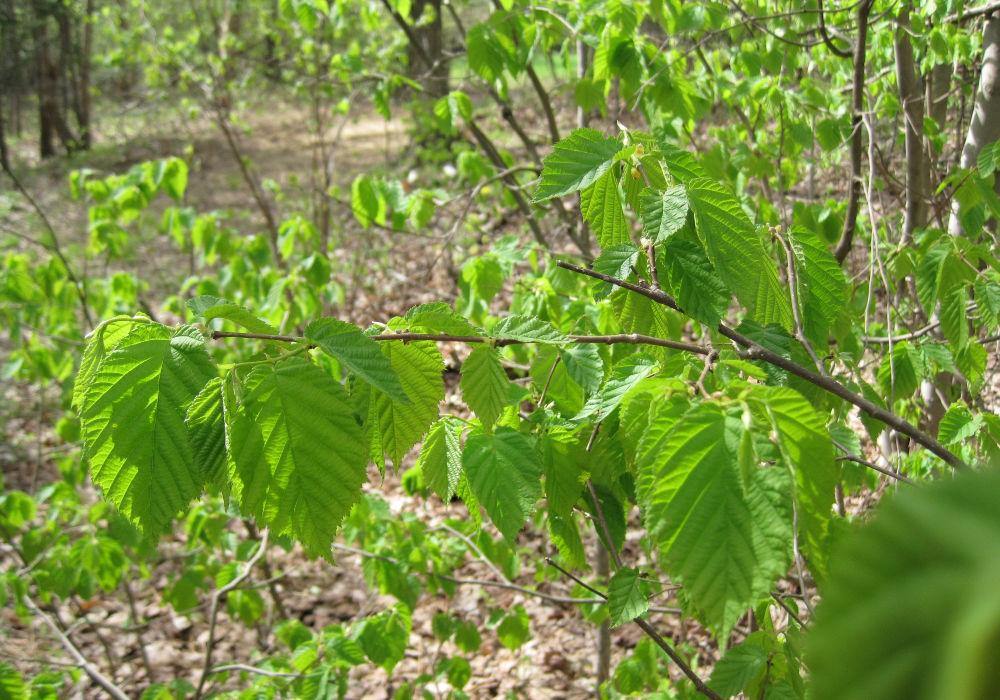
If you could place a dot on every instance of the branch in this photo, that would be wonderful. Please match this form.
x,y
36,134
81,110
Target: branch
x,y
987,9
92,671
756,351
827,39
213,612
619,339
699,684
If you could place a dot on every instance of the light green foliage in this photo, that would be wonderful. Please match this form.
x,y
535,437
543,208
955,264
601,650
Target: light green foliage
x,y
917,588
626,596
209,308
577,162
663,214
358,353
297,452
132,410
724,535
485,386
504,472
602,209
440,459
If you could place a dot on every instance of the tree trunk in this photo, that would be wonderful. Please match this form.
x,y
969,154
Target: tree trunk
x,y
83,88
912,100
47,104
4,155
984,128
430,35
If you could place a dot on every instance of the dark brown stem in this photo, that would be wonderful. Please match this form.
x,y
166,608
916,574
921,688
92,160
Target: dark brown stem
x,y
827,39
755,351
857,106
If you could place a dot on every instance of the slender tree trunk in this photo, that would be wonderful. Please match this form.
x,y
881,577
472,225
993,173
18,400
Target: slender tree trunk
x,y
430,36
4,155
984,128
83,89
857,106
47,104
602,567
912,99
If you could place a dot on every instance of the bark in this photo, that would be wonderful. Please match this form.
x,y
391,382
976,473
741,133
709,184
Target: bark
x,y
47,104
83,87
911,99
4,155
428,65
857,106
984,128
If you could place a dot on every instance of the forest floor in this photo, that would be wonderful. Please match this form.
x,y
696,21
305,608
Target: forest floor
x,y
558,661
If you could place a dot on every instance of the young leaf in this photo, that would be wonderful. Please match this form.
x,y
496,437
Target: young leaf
x,y
823,288
737,252
692,279
663,213
358,353
484,383
206,431
438,317
132,414
625,375
505,475
210,307
528,329
626,598
724,540
575,163
602,209
298,455
397,426
585,366
440,459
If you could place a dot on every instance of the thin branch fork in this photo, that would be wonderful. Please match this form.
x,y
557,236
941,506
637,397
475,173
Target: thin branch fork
x,y
755,351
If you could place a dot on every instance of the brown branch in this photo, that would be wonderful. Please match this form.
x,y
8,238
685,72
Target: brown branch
x,y
755,351
987,9
827,39
857,106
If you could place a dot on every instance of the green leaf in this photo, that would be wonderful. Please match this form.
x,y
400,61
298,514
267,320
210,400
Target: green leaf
x,y
564,477
575,163
663,213
440,459
959,424
209,308
625,375
738,668
528,329
917,589
626,598
602,209
723,539
396,426
584,364
737,252
12,686
505,475
515,628
484,53
484,383
438,317
102,340
823,288
690,276
987,291
804,443
297,452
384,637
617,261
900,372
132,414
206,431
358,353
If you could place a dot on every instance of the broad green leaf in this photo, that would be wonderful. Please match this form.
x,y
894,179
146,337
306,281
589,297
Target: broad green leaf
x,y
484,53
566,537
12,686
575,163
384,637
504,472
358,353
206,431
689,274
804,443
440,459
396,426
584,364
625,375
564,477
528,329
484,383
737,252
739,667
959,424
297,452
626,597
100,342
987,291
132,415
823,288
483,277
210,308
663,213
617,261
724,540
602,209
953,315
438,317
901,370
515,628
915,588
